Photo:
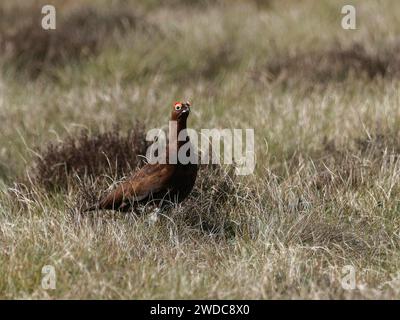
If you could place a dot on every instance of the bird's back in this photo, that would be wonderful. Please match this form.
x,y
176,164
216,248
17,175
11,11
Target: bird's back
x,y
144,184
153,182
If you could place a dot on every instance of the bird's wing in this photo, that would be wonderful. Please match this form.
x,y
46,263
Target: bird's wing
x,y
151,179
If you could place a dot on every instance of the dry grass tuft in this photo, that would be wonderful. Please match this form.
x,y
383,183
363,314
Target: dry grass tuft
x,y
206,208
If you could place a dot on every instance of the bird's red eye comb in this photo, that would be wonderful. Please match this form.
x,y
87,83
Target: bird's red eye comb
x,y
177,104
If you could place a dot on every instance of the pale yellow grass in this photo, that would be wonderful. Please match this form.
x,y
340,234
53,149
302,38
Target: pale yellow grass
x,y
310,209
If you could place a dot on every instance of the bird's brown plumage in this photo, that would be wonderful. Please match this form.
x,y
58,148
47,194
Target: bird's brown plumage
x,y
159,183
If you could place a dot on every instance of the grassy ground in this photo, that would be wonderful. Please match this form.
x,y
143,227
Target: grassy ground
x,y
324,104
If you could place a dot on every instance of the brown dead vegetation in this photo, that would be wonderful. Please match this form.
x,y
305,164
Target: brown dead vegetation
x,y
334,64
78,35
100,154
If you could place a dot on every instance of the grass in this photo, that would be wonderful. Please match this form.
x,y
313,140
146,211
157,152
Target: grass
x,y
323,102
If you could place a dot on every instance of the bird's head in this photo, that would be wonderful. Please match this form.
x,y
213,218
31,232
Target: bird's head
x,y
180,110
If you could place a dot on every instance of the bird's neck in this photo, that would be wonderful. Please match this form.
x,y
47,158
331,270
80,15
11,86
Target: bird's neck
x,y
175,128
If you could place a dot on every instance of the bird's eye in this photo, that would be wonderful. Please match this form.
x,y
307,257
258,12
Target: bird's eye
x,y
178,107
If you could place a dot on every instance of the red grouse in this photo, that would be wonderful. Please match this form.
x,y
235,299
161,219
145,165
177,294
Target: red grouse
x,y
160,183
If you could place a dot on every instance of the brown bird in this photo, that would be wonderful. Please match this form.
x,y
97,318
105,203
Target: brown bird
x,y
158,184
